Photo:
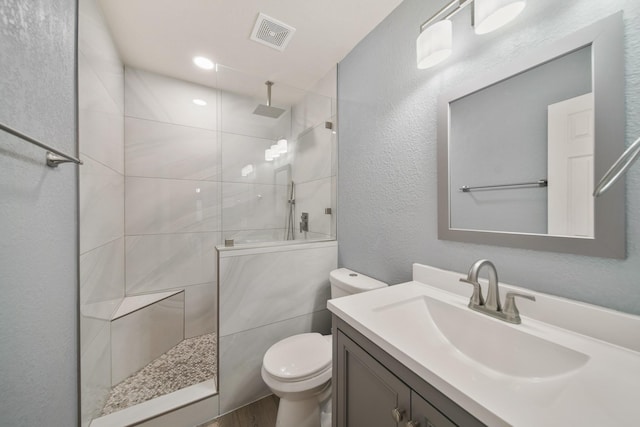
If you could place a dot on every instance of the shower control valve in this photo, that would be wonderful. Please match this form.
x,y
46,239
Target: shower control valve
x,y
304,223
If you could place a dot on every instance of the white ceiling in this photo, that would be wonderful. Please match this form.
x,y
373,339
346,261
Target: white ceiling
x,y
164,35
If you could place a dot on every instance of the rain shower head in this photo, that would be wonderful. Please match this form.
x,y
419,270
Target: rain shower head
x,y
268,110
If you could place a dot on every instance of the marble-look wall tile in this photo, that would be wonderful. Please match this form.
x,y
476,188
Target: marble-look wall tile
x,y
238,151
253,206
241,357
155,205
101,205
92,93
328,87
92,331
254,236
95,372
97,47
162,150
101,137
166,261
164,99
314,197
311,236
102,273
236,116
201,309
141,336
313,155
260,289
313,110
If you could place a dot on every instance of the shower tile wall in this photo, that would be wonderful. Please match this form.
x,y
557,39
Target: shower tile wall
x,y
267,294
146,334
173,220
101,106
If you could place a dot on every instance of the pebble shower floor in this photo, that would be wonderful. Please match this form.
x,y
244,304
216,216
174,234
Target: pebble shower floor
x,y
190,362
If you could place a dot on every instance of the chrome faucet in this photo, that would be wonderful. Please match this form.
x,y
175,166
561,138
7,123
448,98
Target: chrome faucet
x,y
492,305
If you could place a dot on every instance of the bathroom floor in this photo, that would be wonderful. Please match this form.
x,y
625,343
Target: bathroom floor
x,y
190,362
258,414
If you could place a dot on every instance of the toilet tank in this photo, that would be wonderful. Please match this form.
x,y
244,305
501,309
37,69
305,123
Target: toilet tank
x,y
348,282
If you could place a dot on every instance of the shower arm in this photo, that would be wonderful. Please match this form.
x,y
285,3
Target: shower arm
x,y
269,84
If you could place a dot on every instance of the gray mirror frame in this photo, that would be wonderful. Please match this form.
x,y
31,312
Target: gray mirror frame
x,y
607,40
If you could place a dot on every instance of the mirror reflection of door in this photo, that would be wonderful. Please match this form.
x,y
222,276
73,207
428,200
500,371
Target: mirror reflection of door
x,y
570,167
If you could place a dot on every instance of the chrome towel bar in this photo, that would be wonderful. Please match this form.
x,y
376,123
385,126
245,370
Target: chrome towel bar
x,y
538,183
54,157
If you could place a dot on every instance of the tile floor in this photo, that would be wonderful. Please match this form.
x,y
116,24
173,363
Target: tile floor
x,y
190,362
261,413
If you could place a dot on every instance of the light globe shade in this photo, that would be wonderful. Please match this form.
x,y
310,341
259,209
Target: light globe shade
x,y
434,44
275,153
282,145
489,15
268,155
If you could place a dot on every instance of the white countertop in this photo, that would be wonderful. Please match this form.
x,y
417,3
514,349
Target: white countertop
x,y
603,390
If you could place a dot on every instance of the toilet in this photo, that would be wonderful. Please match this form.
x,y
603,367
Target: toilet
x,y
297,369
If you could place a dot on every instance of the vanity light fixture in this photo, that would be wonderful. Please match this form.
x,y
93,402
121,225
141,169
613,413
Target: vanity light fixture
x,y
268,155
247,170
275,150
489,15
204,63
282,146
199,102
435,42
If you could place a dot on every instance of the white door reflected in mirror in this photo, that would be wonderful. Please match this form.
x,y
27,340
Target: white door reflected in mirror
x,y
570,167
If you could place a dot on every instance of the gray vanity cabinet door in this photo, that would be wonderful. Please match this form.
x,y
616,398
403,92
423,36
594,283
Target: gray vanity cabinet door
x,y
425,415
368,394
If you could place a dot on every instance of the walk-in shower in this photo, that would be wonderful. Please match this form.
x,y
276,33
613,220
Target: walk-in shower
x,y
165,181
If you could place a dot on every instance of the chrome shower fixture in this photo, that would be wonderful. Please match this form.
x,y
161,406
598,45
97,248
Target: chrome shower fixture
x,y
268,110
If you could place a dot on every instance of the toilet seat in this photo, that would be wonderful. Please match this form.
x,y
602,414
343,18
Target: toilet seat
x,y
298,358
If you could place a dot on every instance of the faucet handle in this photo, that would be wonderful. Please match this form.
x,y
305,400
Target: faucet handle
x,y
476,297
510,310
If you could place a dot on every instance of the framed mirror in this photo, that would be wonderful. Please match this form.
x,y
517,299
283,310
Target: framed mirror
x,y
519,149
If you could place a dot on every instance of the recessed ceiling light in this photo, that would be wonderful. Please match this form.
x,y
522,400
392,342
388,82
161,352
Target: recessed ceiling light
x,y
200,102
204,63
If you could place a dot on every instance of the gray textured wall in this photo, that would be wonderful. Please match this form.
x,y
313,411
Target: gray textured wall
x,y
387,210
38,222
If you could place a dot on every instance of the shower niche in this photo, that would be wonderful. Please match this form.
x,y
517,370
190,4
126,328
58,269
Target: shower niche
x,y
165,181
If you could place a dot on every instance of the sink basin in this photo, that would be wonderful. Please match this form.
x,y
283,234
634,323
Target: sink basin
x,y
568,363
492,343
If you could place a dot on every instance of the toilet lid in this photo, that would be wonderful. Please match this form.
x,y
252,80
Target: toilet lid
x,y
298,357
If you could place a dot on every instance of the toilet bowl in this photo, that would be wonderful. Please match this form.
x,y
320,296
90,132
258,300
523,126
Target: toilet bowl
x,y
297,369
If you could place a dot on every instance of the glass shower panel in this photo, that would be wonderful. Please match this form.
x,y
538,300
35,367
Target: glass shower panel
x,y
314,130
254,189
266,187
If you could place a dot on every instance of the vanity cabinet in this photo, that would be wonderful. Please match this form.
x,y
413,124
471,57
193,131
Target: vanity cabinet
x,y
372,389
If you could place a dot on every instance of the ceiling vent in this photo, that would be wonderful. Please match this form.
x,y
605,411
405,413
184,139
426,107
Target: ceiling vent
x,y
271,32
